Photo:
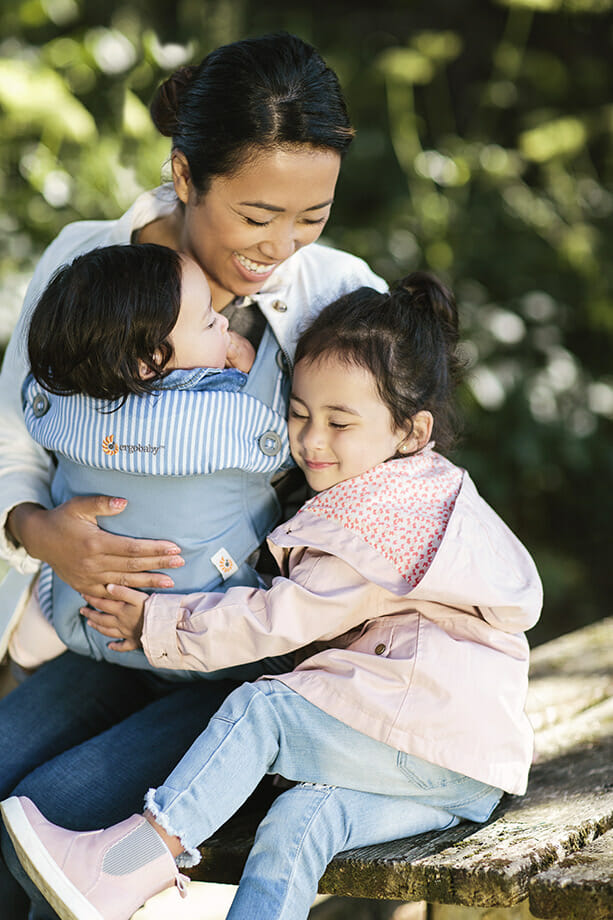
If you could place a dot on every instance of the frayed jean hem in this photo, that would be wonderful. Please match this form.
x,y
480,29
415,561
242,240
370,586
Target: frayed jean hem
x,y
191,856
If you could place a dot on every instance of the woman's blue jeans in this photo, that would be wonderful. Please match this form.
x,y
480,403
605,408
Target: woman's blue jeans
x,y
84,740
352,791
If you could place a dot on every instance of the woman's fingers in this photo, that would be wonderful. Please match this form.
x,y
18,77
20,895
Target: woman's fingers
x,y
127,645
87,557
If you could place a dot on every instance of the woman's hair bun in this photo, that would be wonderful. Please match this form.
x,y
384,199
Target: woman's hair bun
x,y
166,103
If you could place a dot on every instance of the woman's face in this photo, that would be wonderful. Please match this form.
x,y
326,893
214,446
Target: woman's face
x,y
247,224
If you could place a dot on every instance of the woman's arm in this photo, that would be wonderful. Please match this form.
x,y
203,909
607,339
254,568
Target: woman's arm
x,y
82,554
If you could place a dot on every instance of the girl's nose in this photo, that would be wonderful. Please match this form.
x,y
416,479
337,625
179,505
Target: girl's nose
x,y
313,437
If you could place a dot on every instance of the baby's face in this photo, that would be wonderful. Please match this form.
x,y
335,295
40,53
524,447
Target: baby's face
x,y
200,336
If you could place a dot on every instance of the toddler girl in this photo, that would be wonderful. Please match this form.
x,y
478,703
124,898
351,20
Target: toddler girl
x,y
408,598
129,379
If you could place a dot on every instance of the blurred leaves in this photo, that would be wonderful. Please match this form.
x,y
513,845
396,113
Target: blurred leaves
x,y
484,153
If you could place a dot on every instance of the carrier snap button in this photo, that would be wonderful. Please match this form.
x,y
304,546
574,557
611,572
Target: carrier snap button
x,y
282,362
40,405
279,306
379,649
269,443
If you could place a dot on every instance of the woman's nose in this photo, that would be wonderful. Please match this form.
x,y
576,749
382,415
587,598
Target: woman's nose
x,y
280,245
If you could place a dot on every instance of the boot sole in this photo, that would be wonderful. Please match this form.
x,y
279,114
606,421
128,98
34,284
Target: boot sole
x,y
67,901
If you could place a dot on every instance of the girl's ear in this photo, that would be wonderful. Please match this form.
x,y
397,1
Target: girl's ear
x,y
181,175
419,435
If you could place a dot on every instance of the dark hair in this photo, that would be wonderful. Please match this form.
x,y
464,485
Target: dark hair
x,y
100,315
257,93
406,338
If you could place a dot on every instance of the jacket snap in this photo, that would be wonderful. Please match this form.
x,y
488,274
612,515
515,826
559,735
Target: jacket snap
x,y
379,648
279,306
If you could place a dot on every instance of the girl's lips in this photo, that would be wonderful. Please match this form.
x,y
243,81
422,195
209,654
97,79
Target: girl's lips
x,y
318,465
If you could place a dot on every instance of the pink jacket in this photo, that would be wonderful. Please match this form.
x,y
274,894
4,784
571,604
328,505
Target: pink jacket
x,y
427,656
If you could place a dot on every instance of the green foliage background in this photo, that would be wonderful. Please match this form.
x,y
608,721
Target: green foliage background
x,y
483,153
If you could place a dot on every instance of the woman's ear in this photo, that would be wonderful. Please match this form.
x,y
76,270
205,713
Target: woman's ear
x,y
181,175
419,435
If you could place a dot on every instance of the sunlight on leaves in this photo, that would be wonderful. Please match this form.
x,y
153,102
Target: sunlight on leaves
x,y
562,137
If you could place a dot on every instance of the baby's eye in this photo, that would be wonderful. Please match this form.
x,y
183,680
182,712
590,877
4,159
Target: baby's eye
x,y
339,425
294,414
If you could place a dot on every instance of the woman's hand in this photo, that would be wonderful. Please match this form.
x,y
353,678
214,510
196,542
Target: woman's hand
x,y
241,353
120,618
85,556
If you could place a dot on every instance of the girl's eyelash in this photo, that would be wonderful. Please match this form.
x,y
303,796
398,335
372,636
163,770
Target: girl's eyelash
x,y
338,425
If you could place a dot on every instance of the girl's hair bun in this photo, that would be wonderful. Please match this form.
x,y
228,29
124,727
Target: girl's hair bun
x,y
426,291
166,104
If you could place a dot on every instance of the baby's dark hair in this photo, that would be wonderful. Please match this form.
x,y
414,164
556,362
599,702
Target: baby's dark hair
x,y
406,338
101,315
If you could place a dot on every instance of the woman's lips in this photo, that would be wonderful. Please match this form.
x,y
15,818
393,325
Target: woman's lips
x,y
254,270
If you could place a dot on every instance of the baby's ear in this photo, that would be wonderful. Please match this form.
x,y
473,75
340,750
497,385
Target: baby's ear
x,y
419,435
144,371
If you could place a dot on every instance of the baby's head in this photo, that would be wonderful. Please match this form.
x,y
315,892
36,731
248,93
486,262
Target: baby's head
x,y
118,319
374,379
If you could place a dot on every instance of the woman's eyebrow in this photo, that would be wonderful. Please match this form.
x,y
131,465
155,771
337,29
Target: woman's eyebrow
x,y
273,207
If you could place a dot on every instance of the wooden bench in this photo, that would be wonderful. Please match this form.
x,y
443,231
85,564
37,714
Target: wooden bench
x,y
546,854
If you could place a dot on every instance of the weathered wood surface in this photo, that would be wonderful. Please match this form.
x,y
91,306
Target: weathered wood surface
x,y
569,801
579,887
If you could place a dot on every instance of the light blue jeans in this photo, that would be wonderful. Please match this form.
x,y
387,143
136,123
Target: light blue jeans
x,y
352,791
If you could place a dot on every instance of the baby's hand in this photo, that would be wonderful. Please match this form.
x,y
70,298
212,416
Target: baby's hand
x,y
120,618
241,353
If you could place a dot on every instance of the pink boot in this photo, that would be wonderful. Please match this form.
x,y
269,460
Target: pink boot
x,y
93,875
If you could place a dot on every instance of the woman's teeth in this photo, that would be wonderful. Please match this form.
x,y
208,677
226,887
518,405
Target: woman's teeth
x,y
258,268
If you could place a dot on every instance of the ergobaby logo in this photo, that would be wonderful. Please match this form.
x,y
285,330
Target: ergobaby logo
x,y
111,447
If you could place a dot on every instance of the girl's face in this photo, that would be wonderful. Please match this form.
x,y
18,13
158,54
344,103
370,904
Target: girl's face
x,y
338,425
200,335
248,223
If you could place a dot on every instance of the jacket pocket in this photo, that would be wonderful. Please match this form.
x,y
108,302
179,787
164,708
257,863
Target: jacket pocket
x,y
393,636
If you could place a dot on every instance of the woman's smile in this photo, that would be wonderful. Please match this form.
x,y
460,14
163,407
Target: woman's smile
x,y
261,269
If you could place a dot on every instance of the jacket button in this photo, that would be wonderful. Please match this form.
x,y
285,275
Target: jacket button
x,y
279,306
379,649
269,443
40,405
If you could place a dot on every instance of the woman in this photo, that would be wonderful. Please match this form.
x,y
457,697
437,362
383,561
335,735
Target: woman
x,y
258,133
